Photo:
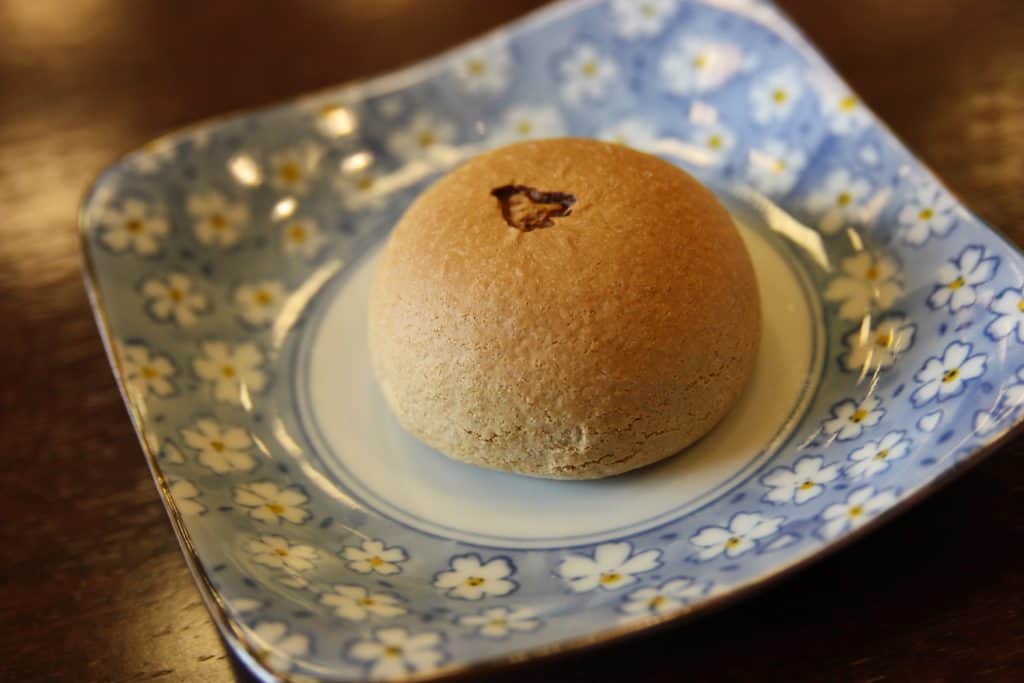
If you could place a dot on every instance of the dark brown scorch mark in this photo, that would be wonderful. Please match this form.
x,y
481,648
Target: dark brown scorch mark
x,y
525,208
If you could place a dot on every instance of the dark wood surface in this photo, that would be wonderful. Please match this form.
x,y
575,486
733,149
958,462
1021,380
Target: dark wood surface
x,y
92,585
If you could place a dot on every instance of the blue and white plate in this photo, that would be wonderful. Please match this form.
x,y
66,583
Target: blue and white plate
x,y
229,264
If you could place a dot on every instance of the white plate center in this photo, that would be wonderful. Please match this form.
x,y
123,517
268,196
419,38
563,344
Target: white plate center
x,y
375,461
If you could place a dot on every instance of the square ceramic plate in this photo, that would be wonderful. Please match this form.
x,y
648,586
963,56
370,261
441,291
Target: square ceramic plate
x,y
229,264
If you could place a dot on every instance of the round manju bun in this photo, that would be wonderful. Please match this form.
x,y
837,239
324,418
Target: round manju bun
x,y
563,308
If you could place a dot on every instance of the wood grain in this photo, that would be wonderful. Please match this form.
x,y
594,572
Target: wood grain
x,y
92,585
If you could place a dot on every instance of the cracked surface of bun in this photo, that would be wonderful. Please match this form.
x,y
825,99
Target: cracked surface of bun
x,y
611,339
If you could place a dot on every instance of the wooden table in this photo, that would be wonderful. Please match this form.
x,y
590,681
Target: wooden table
x,y
92,585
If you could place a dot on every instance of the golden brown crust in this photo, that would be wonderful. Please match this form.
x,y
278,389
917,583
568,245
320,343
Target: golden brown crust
x,y
607,341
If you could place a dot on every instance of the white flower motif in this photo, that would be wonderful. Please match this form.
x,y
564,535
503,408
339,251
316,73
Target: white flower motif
x,y
170,453
292,169
470,578
426,137
943,377
173,298
374,557
359,189
302,236
714,142
394,653
868,281
184,494
849,418
774,96
800,483
498,622
355,603
928,423
844,110
276,645
839,201
221,448
152,156
613,566
268,502
215,220
145,373
586,75
876,347
642,18
930,212
668,597
635,133
874,456
485,68
959,277
529,123
278,552
1008,402
1009,309
259,302
695,65
134,226
745,529
774,168
232,370
861,505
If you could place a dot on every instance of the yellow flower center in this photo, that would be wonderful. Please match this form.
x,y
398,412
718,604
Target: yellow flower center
x,y
524,127
280,552
843,199
858,415
732,542
217,445
297,233
366,602
500,623
149,372
700,61
263,297
957,283
475,67
780,96
871,273
474,581
134,226
175,294
228,371
807,485
425,138
885,339
392,651
610,578
364,183
647,10
276,508
882,454
925,214
289,172
715,142
1020,305
856,511
779,166
950,375
848,104
218,222
656,601
589,68
375,561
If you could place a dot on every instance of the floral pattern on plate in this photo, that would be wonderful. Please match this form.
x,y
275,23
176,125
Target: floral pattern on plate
x,y
204,250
